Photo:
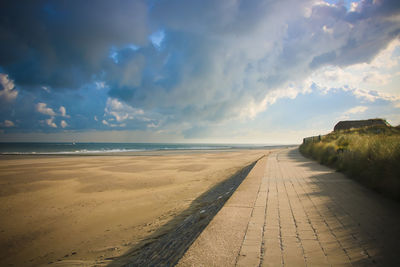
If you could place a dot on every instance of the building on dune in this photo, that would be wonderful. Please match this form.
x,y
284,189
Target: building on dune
x,y
347,125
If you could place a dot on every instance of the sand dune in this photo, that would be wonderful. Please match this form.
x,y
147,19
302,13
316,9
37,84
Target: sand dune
x,y
82,210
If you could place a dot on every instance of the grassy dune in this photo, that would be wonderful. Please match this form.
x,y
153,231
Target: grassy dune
x,y
370,155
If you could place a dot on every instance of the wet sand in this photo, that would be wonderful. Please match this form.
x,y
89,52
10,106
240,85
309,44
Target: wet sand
x,y
86,210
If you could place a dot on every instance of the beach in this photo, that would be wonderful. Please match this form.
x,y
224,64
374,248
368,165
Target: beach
x,y
89,210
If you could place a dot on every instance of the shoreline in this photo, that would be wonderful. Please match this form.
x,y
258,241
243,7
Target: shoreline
x,y
160,152
138,152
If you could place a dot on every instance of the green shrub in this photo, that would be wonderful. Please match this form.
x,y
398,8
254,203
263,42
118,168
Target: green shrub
x,y
370,155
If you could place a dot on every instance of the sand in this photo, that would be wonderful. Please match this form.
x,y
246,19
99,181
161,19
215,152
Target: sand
x,y
86,210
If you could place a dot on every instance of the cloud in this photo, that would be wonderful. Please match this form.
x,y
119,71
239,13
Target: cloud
x,y
8,92
377,78
42,108
47,89
63,112
322,59
191,64
121,111
152,125
113,124
7,123
100,85
63,44
221,60
358,109
157,38
50,122
369,80
63,124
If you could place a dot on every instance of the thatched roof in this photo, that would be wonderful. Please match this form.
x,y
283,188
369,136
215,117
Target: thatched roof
x,y
346,125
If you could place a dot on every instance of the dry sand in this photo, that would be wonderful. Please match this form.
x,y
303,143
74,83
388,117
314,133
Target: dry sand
x,y
81,210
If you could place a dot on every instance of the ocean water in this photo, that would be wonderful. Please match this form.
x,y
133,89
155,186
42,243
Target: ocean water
x,y
83,148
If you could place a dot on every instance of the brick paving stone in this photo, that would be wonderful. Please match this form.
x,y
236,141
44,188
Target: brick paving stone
x,y
305,214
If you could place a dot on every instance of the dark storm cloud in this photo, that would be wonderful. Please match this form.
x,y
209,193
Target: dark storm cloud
x,y
357,35
62,44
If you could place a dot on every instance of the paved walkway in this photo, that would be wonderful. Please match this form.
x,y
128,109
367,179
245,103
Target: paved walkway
x,y
291,211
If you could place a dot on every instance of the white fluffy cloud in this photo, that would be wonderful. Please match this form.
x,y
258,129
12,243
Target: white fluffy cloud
x,y
50,122
63,112
121,111
7,88
45,110
358,109
353,112
372,80
113,124
63,124
42,108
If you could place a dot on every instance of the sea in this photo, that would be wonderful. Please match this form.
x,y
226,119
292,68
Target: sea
x,y
93,148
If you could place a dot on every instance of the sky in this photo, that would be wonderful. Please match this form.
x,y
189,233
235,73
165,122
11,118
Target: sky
x,y
189,71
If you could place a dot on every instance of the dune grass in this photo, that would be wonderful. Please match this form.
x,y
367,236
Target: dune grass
x,y
370,155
